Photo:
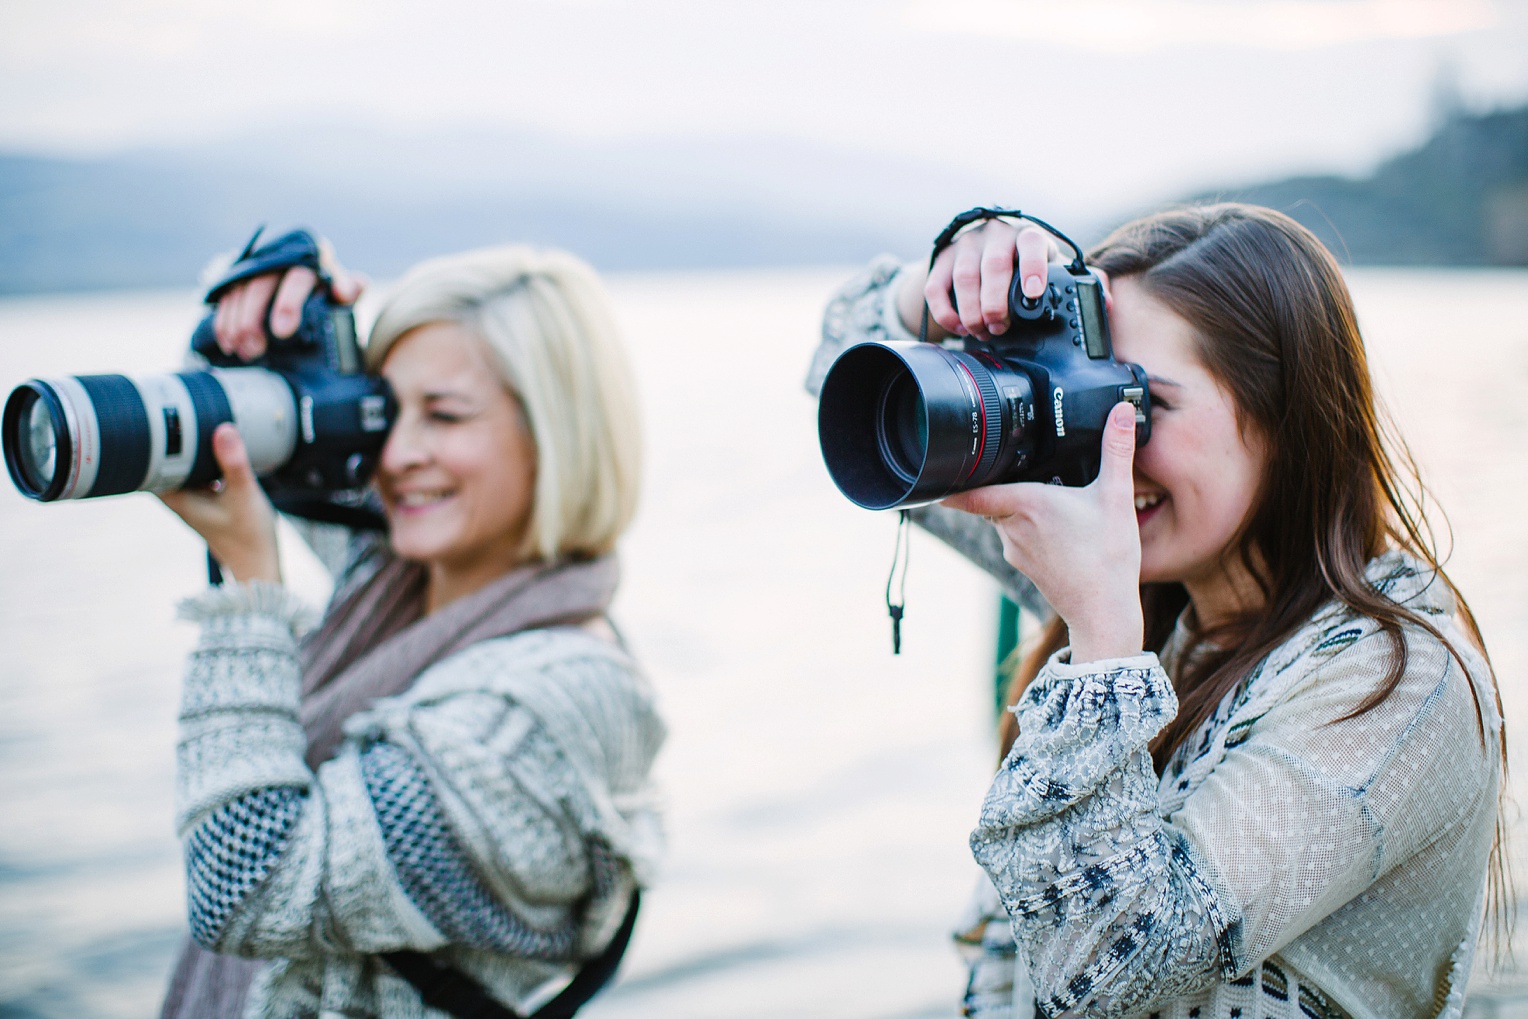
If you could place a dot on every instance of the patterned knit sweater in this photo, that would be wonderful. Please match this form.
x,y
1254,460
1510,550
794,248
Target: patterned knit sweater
x,y
498,813
1287,863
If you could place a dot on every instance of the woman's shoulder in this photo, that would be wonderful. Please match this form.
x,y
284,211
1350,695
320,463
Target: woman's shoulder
x,y
1334,665
1339,633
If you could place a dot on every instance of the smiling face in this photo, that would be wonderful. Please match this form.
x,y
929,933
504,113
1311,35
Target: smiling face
x,y
1197,479
458,472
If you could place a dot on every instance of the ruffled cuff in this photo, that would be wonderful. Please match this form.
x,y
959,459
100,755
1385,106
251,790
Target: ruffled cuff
x,y
1060,666
256,598
1079,723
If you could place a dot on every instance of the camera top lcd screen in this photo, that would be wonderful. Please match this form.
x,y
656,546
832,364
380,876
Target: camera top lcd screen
x,y
1090,301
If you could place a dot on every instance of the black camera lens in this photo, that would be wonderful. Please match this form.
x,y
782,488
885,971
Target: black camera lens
x,y
913,422
902,427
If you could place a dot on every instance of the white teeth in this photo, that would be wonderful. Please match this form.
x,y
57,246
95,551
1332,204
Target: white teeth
x,y
420,498
1146,501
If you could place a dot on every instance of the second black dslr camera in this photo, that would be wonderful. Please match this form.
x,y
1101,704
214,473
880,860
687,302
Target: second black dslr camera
x,y
908,423
312,421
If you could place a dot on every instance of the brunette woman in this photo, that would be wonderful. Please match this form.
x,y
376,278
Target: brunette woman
x,y
443,789
1252,770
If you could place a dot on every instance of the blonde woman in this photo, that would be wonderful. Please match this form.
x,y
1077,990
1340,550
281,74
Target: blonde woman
x,y
441,793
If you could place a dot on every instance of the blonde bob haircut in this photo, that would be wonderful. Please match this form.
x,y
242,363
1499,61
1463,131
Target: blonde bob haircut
x,y
545,319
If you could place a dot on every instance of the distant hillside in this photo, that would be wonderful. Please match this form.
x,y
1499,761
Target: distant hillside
x,y
154,218
1460,199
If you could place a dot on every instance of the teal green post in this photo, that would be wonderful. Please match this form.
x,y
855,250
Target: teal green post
x,y
1007,640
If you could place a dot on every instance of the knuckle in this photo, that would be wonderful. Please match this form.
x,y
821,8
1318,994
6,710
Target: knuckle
x,y
1120,446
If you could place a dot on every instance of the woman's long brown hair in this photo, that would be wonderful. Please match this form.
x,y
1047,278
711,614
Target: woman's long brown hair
x,y
1275,325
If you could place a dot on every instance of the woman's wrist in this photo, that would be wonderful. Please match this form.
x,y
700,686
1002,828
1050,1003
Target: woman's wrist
x,y
1117,634
249,569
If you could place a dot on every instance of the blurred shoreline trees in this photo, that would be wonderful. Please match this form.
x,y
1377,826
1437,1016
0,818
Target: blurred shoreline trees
x,y
1461,198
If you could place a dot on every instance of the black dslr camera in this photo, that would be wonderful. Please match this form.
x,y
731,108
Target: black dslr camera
x,y
313,422
907,423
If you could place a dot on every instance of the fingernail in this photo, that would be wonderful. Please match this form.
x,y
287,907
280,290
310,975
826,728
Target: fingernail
x,y
998,328
1034,286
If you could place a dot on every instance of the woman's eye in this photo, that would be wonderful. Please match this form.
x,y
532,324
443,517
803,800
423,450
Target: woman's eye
x,y
445,417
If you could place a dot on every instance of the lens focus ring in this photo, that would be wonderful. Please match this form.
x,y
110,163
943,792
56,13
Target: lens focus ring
x,y
991,415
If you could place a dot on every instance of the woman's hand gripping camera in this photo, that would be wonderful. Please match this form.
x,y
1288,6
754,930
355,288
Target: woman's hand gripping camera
x,y
1080,546
234,516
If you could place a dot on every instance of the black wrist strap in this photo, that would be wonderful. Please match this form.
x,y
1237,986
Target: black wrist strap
x,y
454,992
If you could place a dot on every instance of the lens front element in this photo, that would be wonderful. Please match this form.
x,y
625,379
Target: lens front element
x,y
902,427
34,431
39,447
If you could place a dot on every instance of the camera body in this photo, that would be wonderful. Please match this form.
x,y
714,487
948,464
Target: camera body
x,y
313,423
908,423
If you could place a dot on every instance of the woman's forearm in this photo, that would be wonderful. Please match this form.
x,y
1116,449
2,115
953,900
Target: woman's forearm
x,y
1106,900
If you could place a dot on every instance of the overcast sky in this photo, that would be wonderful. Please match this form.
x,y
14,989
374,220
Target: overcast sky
x,y
1138,98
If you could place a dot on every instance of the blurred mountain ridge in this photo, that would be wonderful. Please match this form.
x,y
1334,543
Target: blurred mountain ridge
x,y
1460,198
387,199
154,216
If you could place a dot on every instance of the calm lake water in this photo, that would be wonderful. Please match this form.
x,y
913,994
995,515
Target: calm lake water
x,y
820,790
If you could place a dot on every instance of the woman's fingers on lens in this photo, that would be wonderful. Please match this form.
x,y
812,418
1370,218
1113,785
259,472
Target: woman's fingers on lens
x,y
966,277
936,293
221,328
286,310
232,457
995,502
996,275
1034,248
234,303
249,327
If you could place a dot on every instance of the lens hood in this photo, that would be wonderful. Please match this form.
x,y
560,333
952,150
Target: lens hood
x,y
906,423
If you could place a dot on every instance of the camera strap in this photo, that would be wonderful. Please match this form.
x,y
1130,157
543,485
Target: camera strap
x,y
901,555
296,247
981,214
451,991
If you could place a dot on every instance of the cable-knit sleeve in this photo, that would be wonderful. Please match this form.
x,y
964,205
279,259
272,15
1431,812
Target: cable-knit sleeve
x,y
456,819
862,309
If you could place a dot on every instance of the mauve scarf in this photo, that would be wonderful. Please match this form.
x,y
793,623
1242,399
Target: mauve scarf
x,y
374,644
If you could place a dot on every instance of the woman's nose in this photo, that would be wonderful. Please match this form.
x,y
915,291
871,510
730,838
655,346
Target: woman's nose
x,y
404,447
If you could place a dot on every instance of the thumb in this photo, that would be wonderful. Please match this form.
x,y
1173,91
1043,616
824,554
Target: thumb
x,y
1116,469
232,457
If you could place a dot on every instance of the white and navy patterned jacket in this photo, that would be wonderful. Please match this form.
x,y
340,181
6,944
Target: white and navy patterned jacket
x,y
1288,863
497,813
